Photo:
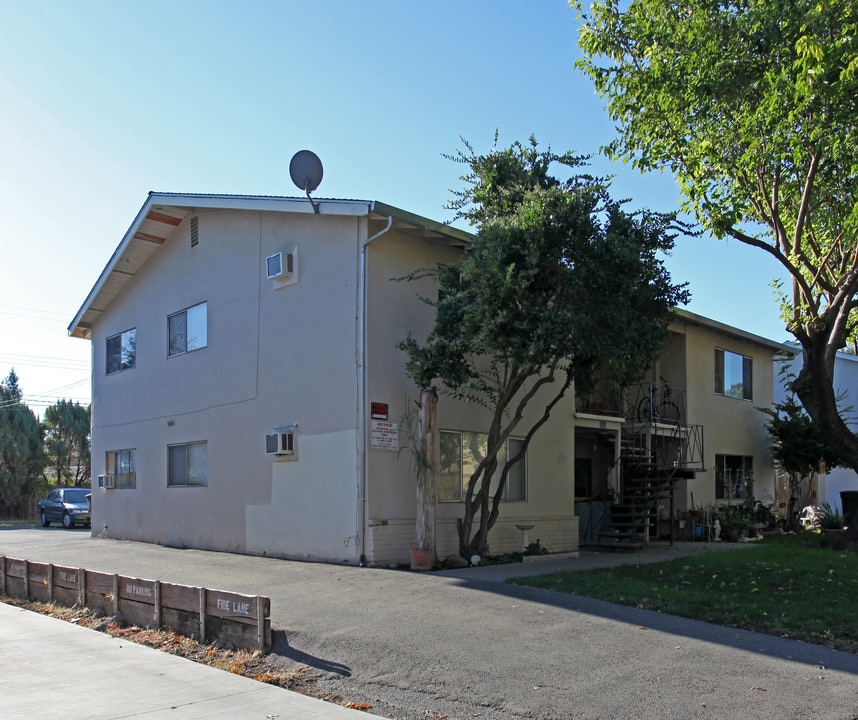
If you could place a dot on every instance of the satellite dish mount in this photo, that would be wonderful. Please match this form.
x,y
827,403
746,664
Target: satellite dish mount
x,y
305,169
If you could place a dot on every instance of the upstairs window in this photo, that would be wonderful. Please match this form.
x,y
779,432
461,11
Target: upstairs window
x,y
188,330
122,351
733,375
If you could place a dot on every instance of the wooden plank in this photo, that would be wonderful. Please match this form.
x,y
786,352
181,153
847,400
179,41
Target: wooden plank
x,y
149,238
164,218
15,568
260,622
136,613
137,589
97,590
180,597
99,583
65,577
37,573
202,615
37,581
231,606
81,587
157,618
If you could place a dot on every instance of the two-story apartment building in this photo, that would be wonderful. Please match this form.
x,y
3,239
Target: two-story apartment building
x,y
247,389
248,395
691,429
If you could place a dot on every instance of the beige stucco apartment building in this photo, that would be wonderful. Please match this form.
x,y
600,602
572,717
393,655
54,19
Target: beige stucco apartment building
x,y
248,395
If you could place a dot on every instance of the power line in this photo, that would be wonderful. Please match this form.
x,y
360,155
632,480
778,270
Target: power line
x,y
33,312
44,361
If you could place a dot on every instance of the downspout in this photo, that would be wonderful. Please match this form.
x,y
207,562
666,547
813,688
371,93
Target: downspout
x,y
361,402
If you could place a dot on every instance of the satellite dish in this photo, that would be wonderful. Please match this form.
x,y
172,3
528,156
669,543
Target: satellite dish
x,y
305,169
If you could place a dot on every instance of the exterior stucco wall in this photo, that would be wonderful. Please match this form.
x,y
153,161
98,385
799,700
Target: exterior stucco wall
x,y
731,426
273,357
391,487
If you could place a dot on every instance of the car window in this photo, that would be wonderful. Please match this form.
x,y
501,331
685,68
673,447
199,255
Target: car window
x,y
54,495
75,496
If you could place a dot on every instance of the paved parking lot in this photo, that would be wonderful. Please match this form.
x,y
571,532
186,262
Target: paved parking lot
x,y
460,644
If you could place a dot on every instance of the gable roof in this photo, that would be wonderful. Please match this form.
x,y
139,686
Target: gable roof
x,y
162,213
730,331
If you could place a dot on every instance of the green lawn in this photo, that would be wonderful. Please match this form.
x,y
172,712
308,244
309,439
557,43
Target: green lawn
x,y
782,586
18,523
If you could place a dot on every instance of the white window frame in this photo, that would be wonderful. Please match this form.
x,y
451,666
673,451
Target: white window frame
x,y
196,314
462,467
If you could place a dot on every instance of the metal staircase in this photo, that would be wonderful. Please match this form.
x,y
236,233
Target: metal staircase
x,y
657,450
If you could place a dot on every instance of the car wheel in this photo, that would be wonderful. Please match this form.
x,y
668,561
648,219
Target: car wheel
x,y
44,519
67,521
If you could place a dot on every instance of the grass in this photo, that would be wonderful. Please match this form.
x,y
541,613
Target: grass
x,y
783,586
18,523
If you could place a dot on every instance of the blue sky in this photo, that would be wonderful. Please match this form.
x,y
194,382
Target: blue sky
x,y
104,101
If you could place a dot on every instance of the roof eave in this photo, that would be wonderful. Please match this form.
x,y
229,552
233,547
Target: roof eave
x,y
734,332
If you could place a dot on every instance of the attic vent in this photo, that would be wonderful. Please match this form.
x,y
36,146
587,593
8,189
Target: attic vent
x,y
195,231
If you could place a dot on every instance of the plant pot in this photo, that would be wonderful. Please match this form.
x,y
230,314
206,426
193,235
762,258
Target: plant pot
x,y
422,559
733,534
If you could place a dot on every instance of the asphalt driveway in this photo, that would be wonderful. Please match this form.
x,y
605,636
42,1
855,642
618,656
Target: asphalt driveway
x,y
462,645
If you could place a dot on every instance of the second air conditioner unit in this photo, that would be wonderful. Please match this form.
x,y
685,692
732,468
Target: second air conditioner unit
x,y
281,441
107,481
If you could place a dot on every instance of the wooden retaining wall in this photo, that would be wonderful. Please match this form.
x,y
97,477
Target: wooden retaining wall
x,y
226,618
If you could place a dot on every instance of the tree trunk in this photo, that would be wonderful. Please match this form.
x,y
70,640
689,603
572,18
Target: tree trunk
x,y
815,388
426,470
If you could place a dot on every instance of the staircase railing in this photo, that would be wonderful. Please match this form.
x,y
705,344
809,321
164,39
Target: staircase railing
x,y
658,448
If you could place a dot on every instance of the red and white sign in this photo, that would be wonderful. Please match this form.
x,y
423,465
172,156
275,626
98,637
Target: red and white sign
x,y
384,435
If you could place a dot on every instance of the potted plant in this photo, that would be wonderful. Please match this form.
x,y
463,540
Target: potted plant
x,y
829,519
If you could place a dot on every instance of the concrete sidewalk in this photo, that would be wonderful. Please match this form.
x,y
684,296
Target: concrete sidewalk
x,y
50,668
657,551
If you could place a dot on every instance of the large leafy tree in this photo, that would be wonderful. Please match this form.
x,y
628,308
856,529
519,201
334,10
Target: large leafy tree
x,y
558,282
753,105
21,456
67,442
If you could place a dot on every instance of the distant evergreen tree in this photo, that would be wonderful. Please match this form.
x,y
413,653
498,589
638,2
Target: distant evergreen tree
x,y
67,443
22,457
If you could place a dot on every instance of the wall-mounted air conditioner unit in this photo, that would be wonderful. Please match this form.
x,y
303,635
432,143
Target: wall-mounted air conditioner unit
x,y
107,481
281,441
279,265
282,267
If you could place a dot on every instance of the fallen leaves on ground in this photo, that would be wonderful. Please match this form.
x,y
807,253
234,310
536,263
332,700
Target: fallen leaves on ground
x,y
248,663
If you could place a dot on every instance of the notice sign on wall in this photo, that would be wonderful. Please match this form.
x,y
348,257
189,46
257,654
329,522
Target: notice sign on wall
x,y
384,435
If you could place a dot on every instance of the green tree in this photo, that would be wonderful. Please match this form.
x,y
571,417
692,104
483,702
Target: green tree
x,y
558,282
798,447
21,455
752,105
67,442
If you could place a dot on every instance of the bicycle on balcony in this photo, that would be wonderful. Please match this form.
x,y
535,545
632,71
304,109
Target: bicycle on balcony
x,y
657,406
